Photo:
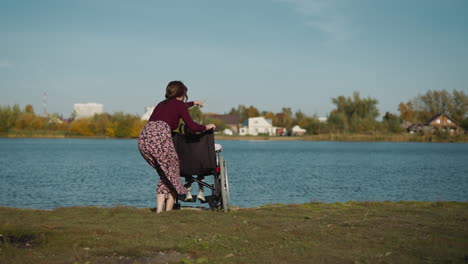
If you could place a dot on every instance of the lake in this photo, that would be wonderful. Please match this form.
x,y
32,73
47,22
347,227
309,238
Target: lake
x,y
51,173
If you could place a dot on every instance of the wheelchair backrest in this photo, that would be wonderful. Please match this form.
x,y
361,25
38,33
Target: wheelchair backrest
x,y
196,152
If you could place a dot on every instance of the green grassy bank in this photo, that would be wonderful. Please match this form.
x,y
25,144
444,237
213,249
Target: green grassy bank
x,y
354,232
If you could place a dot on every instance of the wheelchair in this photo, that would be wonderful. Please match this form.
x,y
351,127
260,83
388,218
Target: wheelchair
x,y
200,156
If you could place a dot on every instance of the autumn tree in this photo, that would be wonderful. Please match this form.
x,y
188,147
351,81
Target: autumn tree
x,y
301,119
233,111
316,127
435,102
391,123
267,114
136,127
406,111
27,120
81,127
196,114
270,115
338,121
240,111
459,107
252,112
464,124
29,109
8,117
284,118
354,114
125,123
101,122
53,122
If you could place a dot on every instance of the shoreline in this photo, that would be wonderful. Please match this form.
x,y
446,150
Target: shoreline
x,y
233,208
323,137
355,138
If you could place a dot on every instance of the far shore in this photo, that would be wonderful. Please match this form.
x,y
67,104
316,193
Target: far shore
x,y
356,138
463,138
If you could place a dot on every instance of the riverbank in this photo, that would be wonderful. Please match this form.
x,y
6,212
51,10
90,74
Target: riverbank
x,y
463,138
354,232
358,138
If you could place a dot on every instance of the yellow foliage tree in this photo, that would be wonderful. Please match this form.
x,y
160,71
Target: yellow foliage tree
x,y
406,111
137,126
252,112
81,127
110,132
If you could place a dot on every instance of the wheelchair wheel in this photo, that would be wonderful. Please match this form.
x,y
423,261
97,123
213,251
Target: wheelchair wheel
x,y
219,200
224,184
215,201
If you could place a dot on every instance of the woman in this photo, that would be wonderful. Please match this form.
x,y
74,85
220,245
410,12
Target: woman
x,y
155,142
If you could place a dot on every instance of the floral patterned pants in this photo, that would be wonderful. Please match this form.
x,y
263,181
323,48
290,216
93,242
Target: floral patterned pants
x,y
156,147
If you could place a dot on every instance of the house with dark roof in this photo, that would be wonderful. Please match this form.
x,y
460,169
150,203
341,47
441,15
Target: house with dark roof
x,y
231,121
441,122
445,123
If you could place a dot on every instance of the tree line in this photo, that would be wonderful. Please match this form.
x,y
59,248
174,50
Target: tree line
x,y
15,120
354,114
351,114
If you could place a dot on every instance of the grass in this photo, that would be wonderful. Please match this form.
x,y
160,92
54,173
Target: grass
x,y
354,232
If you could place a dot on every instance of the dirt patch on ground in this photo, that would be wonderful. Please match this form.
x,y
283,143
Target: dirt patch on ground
x,y
19,241
154,258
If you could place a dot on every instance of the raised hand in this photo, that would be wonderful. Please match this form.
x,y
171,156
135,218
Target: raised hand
x,y
199,103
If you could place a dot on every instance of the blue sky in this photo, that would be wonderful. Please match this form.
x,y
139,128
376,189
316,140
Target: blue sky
x,y
266,53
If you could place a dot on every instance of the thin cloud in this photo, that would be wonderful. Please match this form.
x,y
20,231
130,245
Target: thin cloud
x,y
4,64
323,16
308,7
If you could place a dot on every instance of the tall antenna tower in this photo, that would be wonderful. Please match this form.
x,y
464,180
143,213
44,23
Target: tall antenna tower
x,y
44,103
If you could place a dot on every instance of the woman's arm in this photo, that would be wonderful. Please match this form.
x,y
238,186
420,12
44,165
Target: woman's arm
x,y
192,125
199,103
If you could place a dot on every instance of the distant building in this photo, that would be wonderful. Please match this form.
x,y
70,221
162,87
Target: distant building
x,y
298,131
87,110
281,131
231,121
440,122
322,119
417,128
257,125
148,111
228,132
444,123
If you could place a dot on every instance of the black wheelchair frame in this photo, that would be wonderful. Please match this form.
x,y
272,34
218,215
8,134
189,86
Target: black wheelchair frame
x,y
219,198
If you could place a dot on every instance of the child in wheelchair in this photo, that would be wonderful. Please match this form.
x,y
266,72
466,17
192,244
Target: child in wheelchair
x,y
188,184
199,157
200,178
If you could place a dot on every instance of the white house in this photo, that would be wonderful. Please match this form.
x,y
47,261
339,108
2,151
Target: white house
x,y
87,109
298,131
148,112
228,132
257,125
322,119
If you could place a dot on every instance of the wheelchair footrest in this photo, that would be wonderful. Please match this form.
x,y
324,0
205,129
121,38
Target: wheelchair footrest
x,y
181,198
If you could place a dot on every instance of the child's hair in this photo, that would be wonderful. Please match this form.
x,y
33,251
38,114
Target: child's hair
x,y
176,89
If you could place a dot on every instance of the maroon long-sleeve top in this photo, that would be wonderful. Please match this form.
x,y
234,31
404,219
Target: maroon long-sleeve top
x,y
171,111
